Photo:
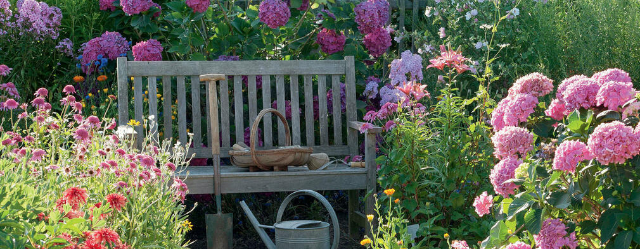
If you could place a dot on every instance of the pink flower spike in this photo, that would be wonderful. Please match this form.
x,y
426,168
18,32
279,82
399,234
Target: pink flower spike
x,y
365,127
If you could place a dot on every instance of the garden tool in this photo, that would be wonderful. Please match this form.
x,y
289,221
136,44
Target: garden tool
x,y
298,234
219,225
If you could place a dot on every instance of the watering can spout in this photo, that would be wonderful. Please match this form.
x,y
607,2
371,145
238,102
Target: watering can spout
x,y
259,228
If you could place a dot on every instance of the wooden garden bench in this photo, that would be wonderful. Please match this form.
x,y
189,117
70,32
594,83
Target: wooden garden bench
x,y
165,84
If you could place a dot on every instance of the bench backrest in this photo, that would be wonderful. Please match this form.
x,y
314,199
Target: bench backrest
x,y
165,85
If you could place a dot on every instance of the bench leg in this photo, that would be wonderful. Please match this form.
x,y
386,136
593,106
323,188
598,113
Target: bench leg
x,y
354,227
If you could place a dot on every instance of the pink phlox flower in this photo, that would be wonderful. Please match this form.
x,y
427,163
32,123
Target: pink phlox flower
x,y
503,171
483,204
512,141
535,84
408,64
569,154
613,142
614,94
612,74
38,155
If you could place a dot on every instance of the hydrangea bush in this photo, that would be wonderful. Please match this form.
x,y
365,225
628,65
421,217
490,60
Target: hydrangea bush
x,y
568,177
68,181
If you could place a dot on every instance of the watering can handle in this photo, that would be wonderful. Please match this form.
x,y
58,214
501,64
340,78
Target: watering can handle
x,y
319,197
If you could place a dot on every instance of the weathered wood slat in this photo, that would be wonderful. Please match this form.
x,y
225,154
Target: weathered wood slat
x,y
267,129
253,100
337,110
372,168
153,107
337,151
225,128
138,102
356,126
209,133
352,113
308,110
295,110
323,115
182,111
167,110
123,91
414,23
280,91
196,114
239,107
154,68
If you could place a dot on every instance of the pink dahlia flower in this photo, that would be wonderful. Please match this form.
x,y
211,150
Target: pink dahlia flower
x,y
408,63
566,83
150,50
199,6
371,15
613,143
556,110
553,235
581,94
569,154
612,74
331,42
503,171
377,41
518,245
459,244
274,13
512,141
614,94
535,84
483,204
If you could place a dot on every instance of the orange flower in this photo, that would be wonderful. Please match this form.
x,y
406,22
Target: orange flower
x,y
102,78
389,192
397,201
365,241
78,79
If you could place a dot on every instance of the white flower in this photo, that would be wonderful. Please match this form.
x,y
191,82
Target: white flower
x,y
427,11
467,16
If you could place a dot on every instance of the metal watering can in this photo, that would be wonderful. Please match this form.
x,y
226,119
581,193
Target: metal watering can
x,y
299,234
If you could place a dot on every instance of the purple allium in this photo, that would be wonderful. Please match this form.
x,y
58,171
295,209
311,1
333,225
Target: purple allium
x,y
613,143
330,42
371,90
377,41
199,6
552,235
512,141
614,94
503,171
150,50
371,15
38,19
408,63
581,94
5,70
569,154
134,7
556,110
66,47
565,83
107,5
612,74
274,13
535,84
97,51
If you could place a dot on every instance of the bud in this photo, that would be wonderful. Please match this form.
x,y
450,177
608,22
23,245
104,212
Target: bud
x,y
522,171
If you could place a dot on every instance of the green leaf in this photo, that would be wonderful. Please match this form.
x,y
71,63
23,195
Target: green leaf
x,y
623,240
519,204
553,178
607,116
636,236
498,233
587,226
608,225
296,3
533,220
177,6
635,197
559,199
198,57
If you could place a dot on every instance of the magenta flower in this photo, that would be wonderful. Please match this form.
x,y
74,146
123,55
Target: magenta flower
x,y
4,70
614,94
199,6
556,110
512,141
503,171
569,154
512,110
613,143
69,89
171,166
107,5
371,15
553,235
41,92
581,94
612,74
38,154
389,125
82,135
483,203
377,41
134,7
147,161
10,104
535,84
38,102
408,64
180,188
566,83
330,41
632,110
150,50
274,13
365,127
518,245
96,52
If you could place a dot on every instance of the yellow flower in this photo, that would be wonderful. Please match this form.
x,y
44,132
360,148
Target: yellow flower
x,y
397,201
131,78
146,100
105,90
133,122
132,88
446,236
78,79
158,95
509,231
162,98
161,134
188,130
187,225
370,217
102,78
83,105
365,241
173,117
146,92
389,192
90,95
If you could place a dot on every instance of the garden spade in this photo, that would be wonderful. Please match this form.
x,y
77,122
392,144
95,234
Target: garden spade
x,y
219,225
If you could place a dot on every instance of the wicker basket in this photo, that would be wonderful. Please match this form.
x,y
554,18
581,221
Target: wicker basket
x,y
267,159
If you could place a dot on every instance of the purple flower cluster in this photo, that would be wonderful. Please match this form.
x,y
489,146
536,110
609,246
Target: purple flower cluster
x,y
343,102
66,47
408,63
553,235
330,41
247,137
97,51
389,94
134,7
569,154
38,19
371,15
150,50
5,15
199,6
287,108
107,5
377,41
371,90
274,13
11,90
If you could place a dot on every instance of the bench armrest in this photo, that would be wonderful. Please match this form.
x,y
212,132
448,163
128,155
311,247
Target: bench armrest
x,y
212,77
356,126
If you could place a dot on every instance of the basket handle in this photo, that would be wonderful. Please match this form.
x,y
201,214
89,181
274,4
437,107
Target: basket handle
x,y
254,134
321,199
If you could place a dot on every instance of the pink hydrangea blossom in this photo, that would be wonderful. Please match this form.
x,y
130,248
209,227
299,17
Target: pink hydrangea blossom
x,y
503,171
614,94
199,6
134,7
556,110
512,110
581,94
518,245
613,143
569,154
150,50
5,70
330,41
566,83
483,203
107,5
459,244
97,51
632,110
512,141
408,64
535,84
377,42
371,15
612,74
553,235
274,13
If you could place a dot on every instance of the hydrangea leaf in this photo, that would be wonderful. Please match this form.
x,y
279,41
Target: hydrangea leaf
x,y
608,225
623,240
560,199
587,226
533,220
